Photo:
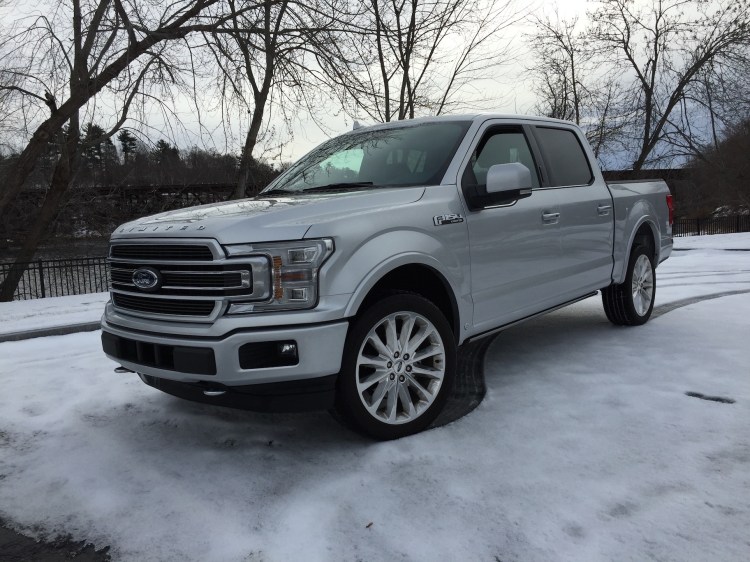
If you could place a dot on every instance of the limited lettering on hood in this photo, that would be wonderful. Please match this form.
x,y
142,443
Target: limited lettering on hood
x,y
161,228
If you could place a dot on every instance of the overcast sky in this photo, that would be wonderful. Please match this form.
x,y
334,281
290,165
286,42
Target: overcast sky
x,y
513,96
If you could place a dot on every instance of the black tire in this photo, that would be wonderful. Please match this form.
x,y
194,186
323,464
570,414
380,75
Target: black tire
x,y
422,376
631,303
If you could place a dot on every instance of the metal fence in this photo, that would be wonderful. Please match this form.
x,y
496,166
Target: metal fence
x,y
59,278
722,225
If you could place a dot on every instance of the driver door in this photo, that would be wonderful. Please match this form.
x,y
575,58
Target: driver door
x,y
515,247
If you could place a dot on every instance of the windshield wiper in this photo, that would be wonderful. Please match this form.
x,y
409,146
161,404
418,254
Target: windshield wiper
x,y
339,186
276,192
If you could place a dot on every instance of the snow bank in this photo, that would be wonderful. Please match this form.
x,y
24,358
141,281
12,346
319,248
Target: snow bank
x,y
19,316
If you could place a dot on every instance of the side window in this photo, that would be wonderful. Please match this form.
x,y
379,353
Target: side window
x,y
566,161
500,147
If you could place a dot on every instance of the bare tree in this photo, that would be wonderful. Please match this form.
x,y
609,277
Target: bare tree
x,y
714,105
59,61
664,45
569,82
268,57
562,65
423,56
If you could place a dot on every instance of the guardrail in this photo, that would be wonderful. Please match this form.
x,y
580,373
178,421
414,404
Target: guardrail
x,y
61,277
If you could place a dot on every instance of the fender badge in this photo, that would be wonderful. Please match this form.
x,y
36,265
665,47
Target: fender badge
x,y
447,219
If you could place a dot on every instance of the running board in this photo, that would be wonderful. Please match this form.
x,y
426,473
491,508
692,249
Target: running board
x,y
516,322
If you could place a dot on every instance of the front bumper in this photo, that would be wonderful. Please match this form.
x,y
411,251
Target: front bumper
x,y
319,351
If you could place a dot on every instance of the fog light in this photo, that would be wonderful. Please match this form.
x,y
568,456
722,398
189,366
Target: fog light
x,y
268,354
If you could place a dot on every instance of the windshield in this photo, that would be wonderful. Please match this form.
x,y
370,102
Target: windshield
x,y
413,155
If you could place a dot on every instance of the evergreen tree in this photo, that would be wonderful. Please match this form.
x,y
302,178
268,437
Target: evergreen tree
x,y
127,145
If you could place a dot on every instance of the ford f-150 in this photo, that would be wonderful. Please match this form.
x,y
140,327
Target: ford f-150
x,y
351,280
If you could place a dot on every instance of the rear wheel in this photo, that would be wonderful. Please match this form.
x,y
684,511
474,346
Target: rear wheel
x,y
631,302
398,367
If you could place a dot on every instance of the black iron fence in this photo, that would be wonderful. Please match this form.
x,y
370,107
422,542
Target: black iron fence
x,y
59,278
721,225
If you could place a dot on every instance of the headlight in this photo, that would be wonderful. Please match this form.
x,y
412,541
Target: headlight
x,y
294,270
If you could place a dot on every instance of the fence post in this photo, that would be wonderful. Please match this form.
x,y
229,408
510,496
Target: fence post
x,y
41,277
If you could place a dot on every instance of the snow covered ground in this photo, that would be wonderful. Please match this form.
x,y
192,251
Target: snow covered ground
x,y
21,316
585,448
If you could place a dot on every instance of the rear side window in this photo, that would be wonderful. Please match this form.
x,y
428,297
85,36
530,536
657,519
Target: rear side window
x,y
566,161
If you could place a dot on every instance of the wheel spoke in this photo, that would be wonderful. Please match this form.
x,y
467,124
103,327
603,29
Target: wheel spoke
x,y
429,352
406,329
377,397
639,270
391,337
419,338
382,350
377,362
431,373
406,401
373,378
422,391
391,406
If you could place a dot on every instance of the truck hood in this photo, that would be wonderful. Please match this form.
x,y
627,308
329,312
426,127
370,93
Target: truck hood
x,y
265,219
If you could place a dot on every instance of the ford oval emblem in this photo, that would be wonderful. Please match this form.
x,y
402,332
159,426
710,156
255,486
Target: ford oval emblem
x,y
146,279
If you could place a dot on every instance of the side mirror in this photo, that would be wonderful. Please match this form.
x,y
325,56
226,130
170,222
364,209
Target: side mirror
x,y
502,178
506,184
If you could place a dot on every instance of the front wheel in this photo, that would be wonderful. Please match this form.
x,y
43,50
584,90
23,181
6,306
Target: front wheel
x,y
398,367
631,303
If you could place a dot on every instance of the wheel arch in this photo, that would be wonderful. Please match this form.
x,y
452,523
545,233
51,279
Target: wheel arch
x,y
419,278
645,229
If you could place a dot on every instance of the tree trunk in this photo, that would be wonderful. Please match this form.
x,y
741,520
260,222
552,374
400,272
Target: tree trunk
x,y
245,178
61,179
641,160
89,87
27,160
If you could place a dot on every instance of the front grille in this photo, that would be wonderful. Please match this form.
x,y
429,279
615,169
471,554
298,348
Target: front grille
x,y
188,280
176,252
164,306
192,280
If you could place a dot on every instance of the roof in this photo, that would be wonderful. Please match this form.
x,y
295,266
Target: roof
x,y
464,117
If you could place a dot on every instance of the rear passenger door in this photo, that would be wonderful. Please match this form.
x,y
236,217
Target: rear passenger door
x,y
514,247
586,222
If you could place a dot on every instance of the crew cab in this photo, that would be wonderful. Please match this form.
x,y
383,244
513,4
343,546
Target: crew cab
x,y
350,282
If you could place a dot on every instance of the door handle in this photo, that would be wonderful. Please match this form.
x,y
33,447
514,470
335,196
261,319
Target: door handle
x,y
604,210
550,218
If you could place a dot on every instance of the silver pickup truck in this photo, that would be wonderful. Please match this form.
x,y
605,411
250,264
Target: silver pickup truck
x,y
352,279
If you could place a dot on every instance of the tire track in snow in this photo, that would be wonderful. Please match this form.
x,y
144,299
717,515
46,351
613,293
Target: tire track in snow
x,y
669,307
